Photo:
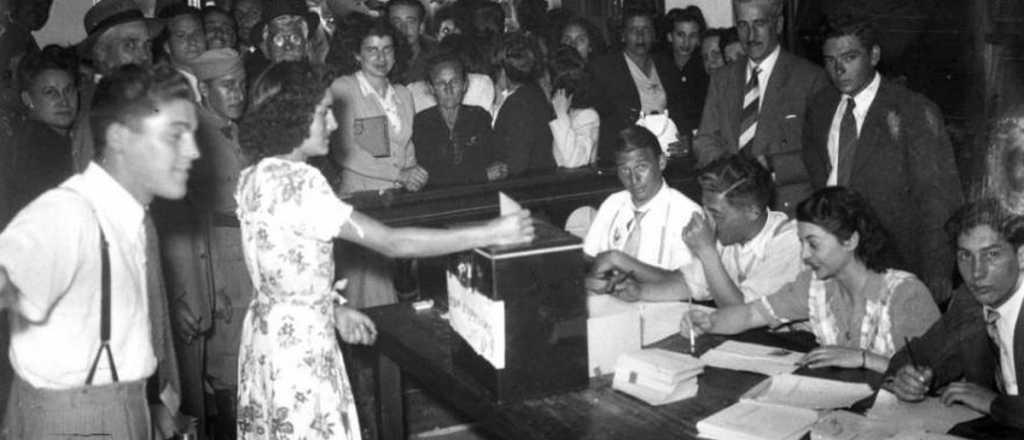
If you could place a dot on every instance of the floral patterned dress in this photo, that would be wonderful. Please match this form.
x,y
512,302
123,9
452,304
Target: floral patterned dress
x,y
292,382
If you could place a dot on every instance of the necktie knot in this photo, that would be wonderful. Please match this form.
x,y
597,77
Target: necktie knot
x,y
991,317
850,104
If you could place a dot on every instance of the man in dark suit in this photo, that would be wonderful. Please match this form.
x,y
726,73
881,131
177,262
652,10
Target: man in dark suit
x,y
890,144
974,354
761,115
619,99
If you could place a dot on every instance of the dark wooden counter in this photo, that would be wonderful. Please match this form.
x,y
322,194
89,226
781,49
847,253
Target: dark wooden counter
x,y
421,344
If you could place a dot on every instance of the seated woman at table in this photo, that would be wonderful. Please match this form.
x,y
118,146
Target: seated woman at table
x,y
454,141
291,371
859,311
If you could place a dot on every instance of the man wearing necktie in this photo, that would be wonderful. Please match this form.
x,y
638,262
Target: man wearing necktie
x,y
889,144
636,236
974,354
756,105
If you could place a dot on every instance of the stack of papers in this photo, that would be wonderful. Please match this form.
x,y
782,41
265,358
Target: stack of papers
x,y
929,415
750,420
808,392
756,358
657,376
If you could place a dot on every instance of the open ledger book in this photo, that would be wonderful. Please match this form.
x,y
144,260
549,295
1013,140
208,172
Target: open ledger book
x,y
751,420
808,392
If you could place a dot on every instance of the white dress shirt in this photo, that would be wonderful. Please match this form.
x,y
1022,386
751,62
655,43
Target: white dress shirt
x,y
762,265
862,102
661,240
51,251
1009,311
767,66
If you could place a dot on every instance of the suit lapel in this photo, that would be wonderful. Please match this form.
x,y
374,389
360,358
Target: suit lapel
x,y
822,127
873,132
627,78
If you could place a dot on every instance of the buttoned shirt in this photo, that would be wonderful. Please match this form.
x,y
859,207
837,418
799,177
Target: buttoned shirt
x,y
861,103
51,251
1008,311
762,265
765,68
661,243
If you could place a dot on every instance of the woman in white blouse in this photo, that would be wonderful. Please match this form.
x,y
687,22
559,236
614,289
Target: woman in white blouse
x,y
576,125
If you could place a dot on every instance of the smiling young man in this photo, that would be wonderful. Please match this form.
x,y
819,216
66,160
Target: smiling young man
x,y
974,355
52,272
757,105
890,144
636,236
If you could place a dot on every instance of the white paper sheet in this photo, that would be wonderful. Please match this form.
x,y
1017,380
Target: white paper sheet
x,y
930,415
751,420
757,358
612,329
507,205
478,319
808,392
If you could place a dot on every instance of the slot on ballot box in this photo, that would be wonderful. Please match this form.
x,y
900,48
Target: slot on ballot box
x,y
521,312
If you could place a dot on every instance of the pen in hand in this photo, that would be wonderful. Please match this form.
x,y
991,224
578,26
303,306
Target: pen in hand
x,y
910,352
616,280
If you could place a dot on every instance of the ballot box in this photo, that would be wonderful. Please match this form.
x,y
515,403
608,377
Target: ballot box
x,y
521,313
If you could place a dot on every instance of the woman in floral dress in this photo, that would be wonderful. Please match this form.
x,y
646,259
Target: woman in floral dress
x,y
292,379
859,311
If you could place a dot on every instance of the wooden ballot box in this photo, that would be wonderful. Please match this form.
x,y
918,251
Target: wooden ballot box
x,y
521,313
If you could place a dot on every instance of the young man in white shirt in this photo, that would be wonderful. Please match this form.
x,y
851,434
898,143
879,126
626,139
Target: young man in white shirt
x,y
52,271
636,236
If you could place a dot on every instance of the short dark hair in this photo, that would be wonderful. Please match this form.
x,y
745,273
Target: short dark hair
x,y
520,56
742,179
488,11
279,122
986,212
569,72
175,9
129,94
847,26
214,9
52,57
842,211
633,12
472,54
598,45
636,137
412,3
689,14
441,58
379,28
448,12
727,37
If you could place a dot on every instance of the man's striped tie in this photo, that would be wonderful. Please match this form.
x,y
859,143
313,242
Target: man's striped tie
x,y
751,105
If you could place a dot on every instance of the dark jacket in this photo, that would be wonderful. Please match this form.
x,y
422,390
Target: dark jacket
x,y
905,168
521,127
455,157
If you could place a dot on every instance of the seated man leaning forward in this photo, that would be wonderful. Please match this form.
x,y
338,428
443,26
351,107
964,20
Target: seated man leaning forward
x,y
974,355
636,236
859,311
748,251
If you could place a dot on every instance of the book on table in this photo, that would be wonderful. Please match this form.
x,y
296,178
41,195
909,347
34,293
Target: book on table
x,y
752,420
657,376
743,356
808,392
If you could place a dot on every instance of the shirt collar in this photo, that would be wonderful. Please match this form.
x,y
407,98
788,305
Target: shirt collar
x,y
112,200
766,65
1011,305
865,97
368,90
658,198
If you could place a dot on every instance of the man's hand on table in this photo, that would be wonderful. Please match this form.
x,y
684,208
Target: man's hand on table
x,y
972,395
910,383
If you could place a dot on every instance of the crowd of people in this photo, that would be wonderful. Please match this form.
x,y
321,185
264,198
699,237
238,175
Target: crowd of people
x,y
172,188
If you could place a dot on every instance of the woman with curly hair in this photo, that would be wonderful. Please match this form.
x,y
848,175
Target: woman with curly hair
x,y
859,311
583,36
292,381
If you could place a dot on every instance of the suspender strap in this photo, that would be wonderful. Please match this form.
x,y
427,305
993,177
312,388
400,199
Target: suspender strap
x,y
104,315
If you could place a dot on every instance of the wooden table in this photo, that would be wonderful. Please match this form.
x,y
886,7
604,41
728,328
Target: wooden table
x,y
419,345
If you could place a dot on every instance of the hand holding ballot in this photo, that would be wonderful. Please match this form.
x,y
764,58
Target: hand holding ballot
x,y
511,229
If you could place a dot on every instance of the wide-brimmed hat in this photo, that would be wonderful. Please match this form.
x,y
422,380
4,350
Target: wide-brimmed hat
x,y
278,8
109,13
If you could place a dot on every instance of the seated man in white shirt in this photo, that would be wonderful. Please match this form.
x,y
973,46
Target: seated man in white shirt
x,y
747,250
74,272
636,236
